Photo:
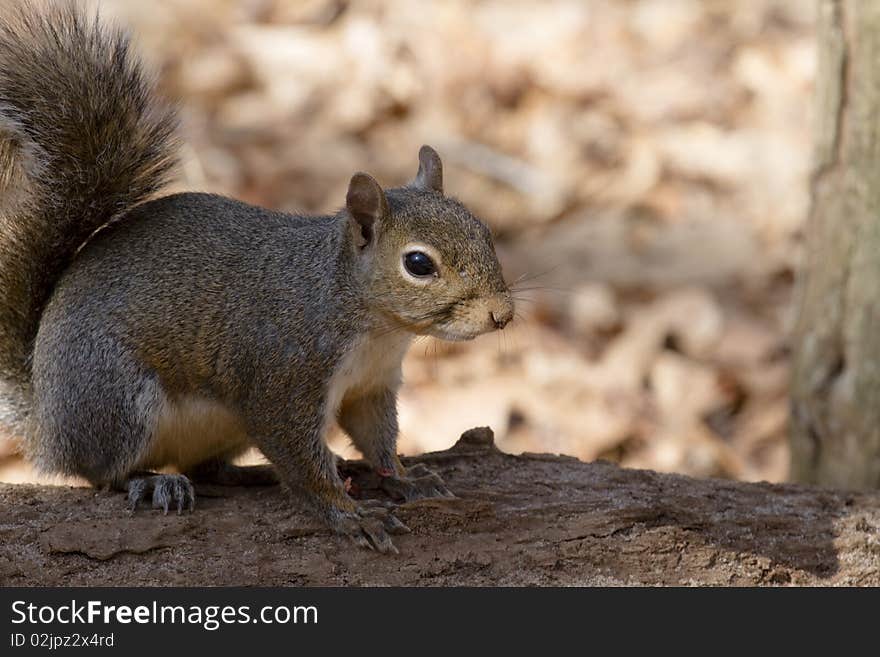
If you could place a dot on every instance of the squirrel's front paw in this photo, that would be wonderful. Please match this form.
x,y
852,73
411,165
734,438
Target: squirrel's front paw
x,y
164,489
418,483
369,527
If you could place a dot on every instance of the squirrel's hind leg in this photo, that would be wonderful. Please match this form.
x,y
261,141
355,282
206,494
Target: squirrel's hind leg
x,y
96,409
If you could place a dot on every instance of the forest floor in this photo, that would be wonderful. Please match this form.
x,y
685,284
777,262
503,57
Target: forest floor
x,y
532,519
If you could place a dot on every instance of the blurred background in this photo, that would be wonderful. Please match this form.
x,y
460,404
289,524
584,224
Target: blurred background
x,y
642,163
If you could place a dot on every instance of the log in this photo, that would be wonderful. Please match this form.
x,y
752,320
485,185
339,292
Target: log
x,y
531,519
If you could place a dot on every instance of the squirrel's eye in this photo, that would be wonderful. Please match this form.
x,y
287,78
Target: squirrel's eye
x,y
419,264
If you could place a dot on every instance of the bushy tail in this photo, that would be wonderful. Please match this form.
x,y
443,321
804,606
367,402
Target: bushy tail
x,y
82,140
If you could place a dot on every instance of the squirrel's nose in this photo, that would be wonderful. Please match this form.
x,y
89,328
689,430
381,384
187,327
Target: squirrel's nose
x,y
500,319
500,311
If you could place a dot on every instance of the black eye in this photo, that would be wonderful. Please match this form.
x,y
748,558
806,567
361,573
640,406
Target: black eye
x,y
419,264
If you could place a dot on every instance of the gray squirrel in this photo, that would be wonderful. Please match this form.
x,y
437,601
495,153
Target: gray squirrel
x,y
140,333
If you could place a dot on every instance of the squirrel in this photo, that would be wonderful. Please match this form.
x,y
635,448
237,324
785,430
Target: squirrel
x,y
143,333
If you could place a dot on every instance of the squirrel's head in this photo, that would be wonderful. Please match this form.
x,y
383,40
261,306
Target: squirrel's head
x,y
430,264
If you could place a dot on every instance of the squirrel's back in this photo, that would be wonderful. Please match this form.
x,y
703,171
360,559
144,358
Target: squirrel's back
x,y
82,140
180,270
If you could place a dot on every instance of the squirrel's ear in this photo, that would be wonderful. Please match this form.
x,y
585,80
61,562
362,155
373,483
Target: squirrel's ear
x,y
430,175
367,205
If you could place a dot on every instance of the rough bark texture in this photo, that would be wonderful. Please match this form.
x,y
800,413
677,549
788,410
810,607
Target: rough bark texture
x,y
531,519
836,379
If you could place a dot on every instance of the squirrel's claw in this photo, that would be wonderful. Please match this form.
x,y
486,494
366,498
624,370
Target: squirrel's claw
x,y
165,489
378,510
418,483
370,527
374,529
419,470
137,490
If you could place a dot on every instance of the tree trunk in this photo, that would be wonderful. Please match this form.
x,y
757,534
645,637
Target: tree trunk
x,y
835,435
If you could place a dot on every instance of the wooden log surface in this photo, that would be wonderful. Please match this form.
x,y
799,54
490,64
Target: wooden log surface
x,y
531,519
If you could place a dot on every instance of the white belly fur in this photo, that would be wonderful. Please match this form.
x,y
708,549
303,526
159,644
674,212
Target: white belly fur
x,y
192,430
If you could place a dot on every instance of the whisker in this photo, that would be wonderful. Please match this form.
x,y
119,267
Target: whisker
x,y
560,290
530,277
537,287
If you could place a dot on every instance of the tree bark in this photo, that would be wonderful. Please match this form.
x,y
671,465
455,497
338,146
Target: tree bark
x,y
534,519
835,435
